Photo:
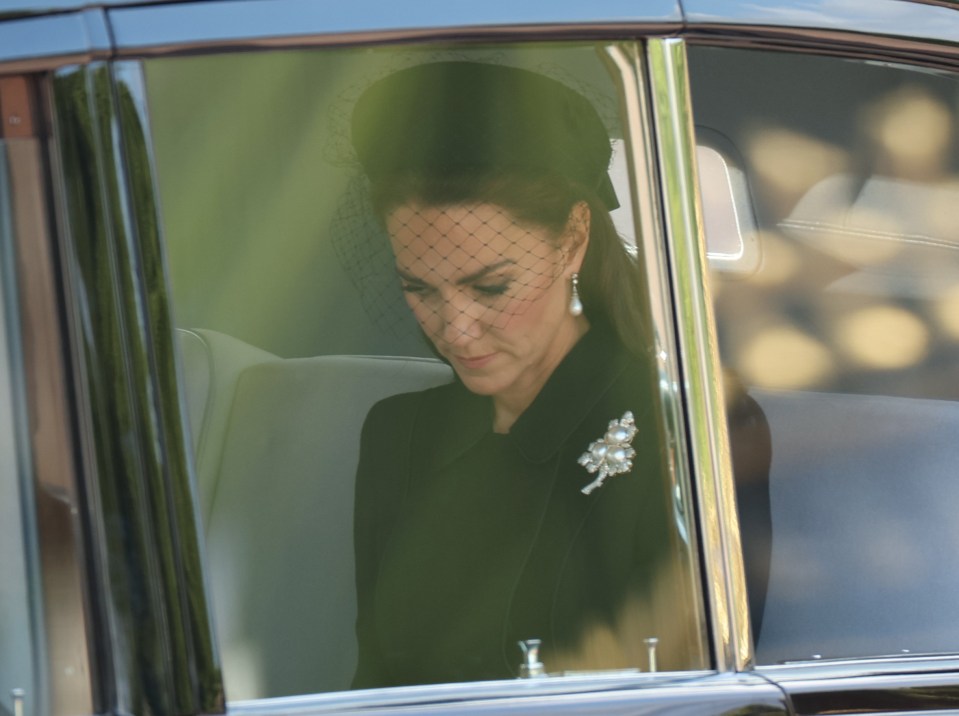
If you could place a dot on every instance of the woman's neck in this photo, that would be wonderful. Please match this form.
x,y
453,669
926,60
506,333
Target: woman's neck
x,y
507,407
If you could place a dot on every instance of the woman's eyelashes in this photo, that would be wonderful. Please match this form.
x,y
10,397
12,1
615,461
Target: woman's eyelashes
x,y
492,289
481,290
414,288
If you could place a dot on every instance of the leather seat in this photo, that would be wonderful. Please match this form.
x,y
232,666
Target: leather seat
x,y
277,449
863,494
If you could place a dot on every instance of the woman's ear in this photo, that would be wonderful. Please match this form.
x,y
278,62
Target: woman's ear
x,y
577,237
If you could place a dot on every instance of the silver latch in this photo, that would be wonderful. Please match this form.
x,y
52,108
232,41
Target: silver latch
x,y
531,666
651,643
17,696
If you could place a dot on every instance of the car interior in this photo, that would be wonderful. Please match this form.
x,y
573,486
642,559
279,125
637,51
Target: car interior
x,y
834,310
828,189
276,400
808,225
277,443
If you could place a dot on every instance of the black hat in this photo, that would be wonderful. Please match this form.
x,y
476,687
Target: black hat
x,y
450,117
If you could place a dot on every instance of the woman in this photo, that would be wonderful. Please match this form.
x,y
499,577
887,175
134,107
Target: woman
x,y
509,505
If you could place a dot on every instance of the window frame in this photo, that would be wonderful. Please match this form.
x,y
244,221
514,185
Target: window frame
x,y
56,570
148,604
733,654
83,39
911,681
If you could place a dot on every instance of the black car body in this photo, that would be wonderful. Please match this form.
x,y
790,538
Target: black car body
x,y
792,169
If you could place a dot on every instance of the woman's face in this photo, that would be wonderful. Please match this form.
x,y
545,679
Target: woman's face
x,y
491,294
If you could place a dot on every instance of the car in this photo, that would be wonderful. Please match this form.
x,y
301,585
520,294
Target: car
x,y
196,318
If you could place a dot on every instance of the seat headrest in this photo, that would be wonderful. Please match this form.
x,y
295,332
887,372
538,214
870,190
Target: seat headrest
x,y
885,228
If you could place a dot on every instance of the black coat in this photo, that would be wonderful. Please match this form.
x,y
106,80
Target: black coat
x,y
467,540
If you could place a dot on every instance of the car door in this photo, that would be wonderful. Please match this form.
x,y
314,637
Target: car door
x,y
831,137
185,172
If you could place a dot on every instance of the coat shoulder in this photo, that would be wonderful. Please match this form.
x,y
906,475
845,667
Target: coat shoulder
x,y
404,406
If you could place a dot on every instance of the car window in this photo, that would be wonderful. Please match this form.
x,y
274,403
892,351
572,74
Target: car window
x,y
292,290
18,687
836,307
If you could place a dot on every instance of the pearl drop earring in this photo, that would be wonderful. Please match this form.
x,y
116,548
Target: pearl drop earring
x,y
575,305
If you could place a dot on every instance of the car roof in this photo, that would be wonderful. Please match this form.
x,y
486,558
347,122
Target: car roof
x,y
855,15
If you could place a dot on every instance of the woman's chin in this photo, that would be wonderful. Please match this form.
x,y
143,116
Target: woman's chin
x,y
480,385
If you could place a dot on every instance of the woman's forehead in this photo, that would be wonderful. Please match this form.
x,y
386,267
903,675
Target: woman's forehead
x,y
468,218
462,237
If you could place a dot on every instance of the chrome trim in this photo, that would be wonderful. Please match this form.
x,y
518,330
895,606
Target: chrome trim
x,y
23,598
896,666
26,642
647,213
682,692
24,8
235,23
45,42
174,455
61,638
712,465
149,604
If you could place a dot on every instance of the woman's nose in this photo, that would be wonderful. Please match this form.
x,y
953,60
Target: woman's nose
x,y
461,320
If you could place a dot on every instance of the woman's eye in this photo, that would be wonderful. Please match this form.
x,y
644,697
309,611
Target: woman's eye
x,y
416,288
495,289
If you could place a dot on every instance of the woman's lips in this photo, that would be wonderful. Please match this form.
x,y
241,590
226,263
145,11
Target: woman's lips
x,y
474,363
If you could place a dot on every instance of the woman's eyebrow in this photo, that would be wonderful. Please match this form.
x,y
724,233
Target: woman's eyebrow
x,y
484,271
469,278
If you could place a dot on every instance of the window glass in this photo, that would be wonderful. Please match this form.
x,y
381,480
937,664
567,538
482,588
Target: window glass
x,y
16,643
346,225
843,329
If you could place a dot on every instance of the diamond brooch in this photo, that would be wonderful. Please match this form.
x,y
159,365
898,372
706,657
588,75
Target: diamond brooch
x,y
612,454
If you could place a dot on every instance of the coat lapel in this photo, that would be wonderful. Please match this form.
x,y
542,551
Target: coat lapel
x,y
576,387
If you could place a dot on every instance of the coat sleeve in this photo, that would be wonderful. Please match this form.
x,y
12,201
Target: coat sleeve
x,y
381,480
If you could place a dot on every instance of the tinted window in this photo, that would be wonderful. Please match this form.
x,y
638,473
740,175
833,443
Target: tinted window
x,y
293,323
838,309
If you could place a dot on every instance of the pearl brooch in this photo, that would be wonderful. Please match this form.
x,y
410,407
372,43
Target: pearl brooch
x,y
612,454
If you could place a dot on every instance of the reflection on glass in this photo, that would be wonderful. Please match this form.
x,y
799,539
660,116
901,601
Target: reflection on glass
x,y
913,132
946,310
883,337
782,262
859,243
847,336
785,357
788,162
